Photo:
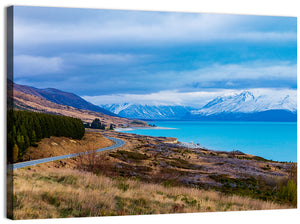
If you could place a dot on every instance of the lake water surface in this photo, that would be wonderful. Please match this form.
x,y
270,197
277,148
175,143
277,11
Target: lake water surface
x,y
271,140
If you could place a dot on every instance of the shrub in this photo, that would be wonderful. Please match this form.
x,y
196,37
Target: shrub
x,y
122,186
289,192
96,124
124,155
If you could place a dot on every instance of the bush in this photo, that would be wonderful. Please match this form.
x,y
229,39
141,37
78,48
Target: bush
x,y
96,124
289,192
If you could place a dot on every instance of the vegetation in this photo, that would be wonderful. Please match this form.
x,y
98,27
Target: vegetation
x,y
288,191
125,155
96,124
57,146
148,176
277,190
72,193
25,129
138,122
172,165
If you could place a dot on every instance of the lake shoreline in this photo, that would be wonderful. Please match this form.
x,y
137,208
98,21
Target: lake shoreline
x,y
141,128
262,139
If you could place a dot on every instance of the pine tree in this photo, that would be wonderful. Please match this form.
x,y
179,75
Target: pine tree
x,y
15,153
96,124
26,128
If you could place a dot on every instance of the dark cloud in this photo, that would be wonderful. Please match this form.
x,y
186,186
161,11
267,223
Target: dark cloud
x,y
94,52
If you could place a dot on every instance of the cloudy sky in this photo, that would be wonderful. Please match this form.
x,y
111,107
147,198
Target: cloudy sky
x,y
116,56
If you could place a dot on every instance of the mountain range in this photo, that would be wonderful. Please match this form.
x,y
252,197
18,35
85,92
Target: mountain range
x,y
248,105
148,112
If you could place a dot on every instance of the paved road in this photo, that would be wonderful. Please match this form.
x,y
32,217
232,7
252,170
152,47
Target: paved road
x,y
118,143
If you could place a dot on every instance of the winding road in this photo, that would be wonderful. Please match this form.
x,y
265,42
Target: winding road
x,y
118,143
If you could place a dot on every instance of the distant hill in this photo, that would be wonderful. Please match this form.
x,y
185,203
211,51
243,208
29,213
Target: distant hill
x,y
62,98
31,99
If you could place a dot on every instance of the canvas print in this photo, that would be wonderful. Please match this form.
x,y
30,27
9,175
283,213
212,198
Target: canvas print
x,y
122,112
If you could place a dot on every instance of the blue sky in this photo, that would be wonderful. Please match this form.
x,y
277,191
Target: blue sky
x,y
112,54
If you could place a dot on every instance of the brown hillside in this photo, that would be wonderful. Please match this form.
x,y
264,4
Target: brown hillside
x,y
57,146
37,104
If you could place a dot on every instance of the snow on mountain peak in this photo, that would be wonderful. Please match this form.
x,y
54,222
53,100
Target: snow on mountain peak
x,y
237,101
117,108
247,101
247,96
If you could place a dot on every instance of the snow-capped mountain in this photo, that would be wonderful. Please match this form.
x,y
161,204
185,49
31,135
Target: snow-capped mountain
x,y
251,102
139,111
254,104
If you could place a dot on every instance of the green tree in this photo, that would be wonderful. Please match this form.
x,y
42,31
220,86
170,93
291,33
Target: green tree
x,y
21,142
96,124
15,153
26,128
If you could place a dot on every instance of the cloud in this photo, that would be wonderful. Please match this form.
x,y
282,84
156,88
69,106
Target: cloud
x,y
265,36
98,52
148,28
107,59
228,75
29,66
248,71
171,97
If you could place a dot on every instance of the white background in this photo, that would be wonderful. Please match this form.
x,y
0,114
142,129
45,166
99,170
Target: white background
x,y
249,7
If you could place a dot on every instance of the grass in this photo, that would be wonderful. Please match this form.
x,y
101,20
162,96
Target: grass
x,y
277,189
56,146
47,193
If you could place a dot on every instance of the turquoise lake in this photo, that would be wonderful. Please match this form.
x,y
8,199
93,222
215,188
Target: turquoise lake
x,y
270,140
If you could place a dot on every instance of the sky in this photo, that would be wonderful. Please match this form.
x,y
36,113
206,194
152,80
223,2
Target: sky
x,y
117,56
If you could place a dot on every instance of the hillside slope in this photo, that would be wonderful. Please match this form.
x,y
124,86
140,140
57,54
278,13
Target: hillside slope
x,y
36,104
30,100
60,97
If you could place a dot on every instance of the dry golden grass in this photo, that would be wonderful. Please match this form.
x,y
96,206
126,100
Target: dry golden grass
x,y
41,192
56,146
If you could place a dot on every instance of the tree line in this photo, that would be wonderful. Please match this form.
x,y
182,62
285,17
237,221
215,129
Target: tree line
x,y
96,124
26,128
